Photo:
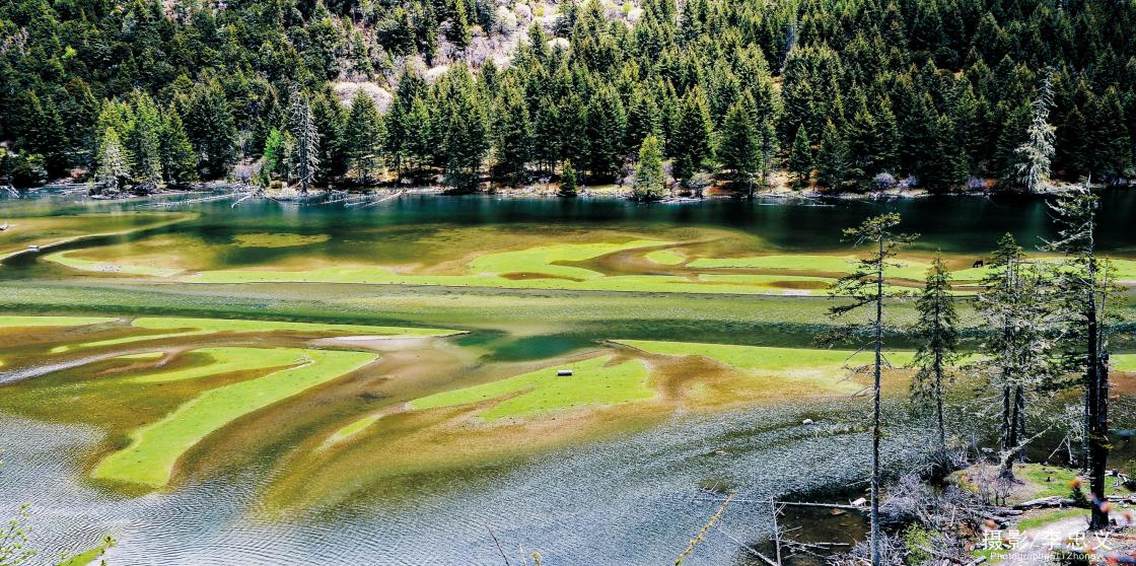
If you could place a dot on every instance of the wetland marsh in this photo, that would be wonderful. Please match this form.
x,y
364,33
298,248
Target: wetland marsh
x,y
272,383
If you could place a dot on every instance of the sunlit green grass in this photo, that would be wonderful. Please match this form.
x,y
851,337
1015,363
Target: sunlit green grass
x,y
154,449
37,321
593,382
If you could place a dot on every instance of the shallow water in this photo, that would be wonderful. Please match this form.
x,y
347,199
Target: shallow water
x,y
631,499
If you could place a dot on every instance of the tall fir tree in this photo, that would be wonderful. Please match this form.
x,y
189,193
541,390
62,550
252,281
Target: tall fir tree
x,y
1085,288
864,288
693,134
937,332
649,177
739,147
363,137
179,161
513,133
1034,158
801,162
305,153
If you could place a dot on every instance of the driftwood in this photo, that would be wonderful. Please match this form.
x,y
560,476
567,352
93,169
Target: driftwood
x,y
1047,502
829,505
701,534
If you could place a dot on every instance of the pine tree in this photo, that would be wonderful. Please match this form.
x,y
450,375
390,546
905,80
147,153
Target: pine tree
x,y
1034,157
363,137
113,162
801,162
642,117
305,157
864,288
832,160
606,130
179,161
649,178
546,134
211,129
330,119
739,147
936,330
1084,290
399,120
274,157
144,141
458,33
568,182
464,129
513,133
1018,350
692,135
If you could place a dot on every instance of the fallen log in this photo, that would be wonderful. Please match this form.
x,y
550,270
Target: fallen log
x,y
1048,502
828,505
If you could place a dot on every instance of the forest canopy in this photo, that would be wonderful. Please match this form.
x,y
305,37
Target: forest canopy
x,y
845,94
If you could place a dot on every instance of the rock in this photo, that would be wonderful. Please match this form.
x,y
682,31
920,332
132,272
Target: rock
x,y
524,13
807,422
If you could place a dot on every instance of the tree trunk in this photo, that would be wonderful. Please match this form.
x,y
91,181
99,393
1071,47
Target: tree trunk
x,y
879,339
1096,381
939,402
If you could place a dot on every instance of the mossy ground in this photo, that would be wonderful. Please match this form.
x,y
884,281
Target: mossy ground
x,y
665,261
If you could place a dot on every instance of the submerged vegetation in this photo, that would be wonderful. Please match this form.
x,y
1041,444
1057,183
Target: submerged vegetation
x,y
334,368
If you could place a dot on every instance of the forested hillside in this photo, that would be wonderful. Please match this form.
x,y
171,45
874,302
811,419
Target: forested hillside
x,y
846,94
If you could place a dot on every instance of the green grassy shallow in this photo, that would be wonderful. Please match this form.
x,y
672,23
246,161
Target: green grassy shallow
x,y
596,381
178,327
154,449
12,321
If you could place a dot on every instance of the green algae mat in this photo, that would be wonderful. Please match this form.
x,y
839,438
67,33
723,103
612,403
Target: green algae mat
x,y
154,449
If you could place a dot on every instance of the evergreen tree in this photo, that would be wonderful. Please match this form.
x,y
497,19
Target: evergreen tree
x,y
739,147
211,129
945,168
305,156
363,137
466,137
936,330
864,289
330,119
113,172
144,141
691,138
1018,350
274,157
179,161
568,182
1035,156
546,134
1084,290
832,159
513,133
606,127
801,162
458,33
649,177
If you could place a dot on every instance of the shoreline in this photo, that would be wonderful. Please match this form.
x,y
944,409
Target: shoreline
x,y
539,190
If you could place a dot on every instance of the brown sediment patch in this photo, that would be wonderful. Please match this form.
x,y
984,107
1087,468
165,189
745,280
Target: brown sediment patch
x,y
523,275
274,435
388,462
799,284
